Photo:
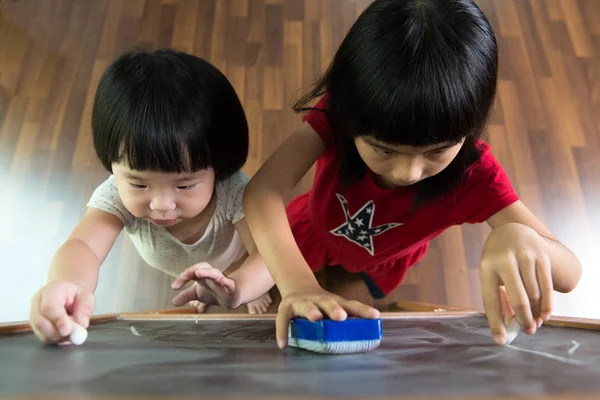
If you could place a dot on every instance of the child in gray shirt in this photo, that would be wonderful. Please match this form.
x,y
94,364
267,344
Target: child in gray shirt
x,y
172,132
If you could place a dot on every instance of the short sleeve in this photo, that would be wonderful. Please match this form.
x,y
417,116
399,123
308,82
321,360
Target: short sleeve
x,y
317,119
488,190
234,190
106,198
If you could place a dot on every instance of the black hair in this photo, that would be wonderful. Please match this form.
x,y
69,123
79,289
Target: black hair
x,y
168,111
411,72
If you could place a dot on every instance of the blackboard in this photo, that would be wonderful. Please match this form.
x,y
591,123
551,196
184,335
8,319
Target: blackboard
x,y
442,355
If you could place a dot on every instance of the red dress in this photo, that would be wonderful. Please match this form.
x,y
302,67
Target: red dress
x,y
373,231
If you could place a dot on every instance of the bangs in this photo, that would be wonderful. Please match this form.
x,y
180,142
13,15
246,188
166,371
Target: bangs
x,y
158,127
437,106
412,115
160,140
169,112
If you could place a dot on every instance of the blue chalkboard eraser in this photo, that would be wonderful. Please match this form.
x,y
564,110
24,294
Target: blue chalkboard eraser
x,y
354,335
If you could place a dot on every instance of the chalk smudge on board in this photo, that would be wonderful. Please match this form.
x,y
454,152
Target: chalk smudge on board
x,y
134,331
548,355
574,348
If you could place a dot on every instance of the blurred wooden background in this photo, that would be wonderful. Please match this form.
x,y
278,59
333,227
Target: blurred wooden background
x,y
545,126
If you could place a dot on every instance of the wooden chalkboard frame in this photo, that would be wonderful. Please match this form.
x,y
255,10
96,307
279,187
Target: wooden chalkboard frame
x,y
406,310
560,321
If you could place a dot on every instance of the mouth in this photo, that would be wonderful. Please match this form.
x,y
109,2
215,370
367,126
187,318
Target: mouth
x,y
163,222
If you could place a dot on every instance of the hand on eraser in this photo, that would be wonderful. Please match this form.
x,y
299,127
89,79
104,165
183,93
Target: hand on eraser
x,y
78,334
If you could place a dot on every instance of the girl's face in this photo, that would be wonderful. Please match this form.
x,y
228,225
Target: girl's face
x,y
405,165
164,198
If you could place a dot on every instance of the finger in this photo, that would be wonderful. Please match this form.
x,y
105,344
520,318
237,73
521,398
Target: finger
x,y
287,311
530,283
544,279
207,272
43,338
196,293
185,297
34,316
507,310
38,325
184,278
307,309
328,306
83,307
359,309
188,275
47,331
492,305
517,294
216,276
54,310
214,287
284,315
227,283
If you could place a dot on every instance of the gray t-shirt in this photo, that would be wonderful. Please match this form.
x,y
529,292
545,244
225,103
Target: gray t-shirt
x,y
220,245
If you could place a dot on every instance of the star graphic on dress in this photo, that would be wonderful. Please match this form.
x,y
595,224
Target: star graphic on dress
x,y
356,230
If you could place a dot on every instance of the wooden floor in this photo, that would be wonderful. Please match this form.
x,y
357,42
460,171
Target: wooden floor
x,y
545,126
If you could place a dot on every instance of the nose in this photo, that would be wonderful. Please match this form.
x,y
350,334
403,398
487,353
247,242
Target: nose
x,y
408,171
162,202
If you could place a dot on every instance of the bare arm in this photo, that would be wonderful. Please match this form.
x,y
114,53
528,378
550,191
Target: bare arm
x,y
252,277
73,277
264,207
79,258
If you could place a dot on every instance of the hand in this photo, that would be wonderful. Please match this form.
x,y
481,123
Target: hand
x,y
211,287
312,303
516,256
52,306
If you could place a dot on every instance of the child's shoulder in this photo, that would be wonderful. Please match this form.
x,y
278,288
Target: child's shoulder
x,y
485,191
317,119
237,181
486,164
107,190
230,193
106,198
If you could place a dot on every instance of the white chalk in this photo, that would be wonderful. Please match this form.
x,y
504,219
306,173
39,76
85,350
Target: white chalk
x,y
574,348
512,330
78,335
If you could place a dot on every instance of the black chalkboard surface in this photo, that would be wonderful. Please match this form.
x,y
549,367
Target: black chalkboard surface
x,y
436,355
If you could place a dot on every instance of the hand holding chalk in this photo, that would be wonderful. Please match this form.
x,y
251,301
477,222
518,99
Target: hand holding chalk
x,y
55,309
515,260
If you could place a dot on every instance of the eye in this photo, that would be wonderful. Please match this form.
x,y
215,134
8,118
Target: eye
x,y
187,187
138,187
381,152
437,153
